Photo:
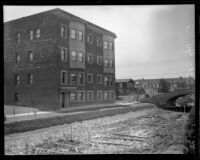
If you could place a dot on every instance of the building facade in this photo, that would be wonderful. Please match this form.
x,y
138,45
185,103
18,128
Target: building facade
x,y
125,86
152,86
54,60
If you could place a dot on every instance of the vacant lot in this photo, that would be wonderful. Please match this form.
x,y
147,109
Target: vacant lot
x,y
144,131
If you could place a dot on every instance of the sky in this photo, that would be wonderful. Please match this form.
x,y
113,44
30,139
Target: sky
x,y
153,41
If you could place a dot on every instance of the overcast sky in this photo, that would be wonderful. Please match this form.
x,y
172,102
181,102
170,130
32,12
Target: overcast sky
x,y
153,41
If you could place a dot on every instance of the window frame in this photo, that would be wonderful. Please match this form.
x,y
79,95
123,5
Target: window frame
x,y
97,78
105,81
65,31
16,96
38,34
79,96
107,96
92,96
71,78
111,46
66,77
106,66
101,92
73,38
98,44
105,42
79,31
101,60
111,66
65,54
79,57
74,56
78,79
17,80
31,35
90,74
18,37
88,39
75,100
30,57
92,58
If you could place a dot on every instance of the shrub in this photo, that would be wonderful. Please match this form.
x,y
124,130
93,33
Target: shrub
x,y
190,133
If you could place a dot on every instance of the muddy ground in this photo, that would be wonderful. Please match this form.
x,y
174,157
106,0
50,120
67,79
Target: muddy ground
x,y
150,131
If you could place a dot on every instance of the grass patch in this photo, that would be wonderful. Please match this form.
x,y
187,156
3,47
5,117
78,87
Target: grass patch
x,y
28,125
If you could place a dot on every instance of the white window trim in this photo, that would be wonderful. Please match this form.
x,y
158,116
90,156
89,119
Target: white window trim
x,y
65,77
92,58
104,81
30,57
75,97
82,35
71,34
38,34
104,95
87,78
92,96
101,96
66,30
106,45
72,56
65,60
78,99
99,44
110,94
31,36
79,56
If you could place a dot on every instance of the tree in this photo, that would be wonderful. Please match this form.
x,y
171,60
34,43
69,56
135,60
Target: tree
x,y
164,86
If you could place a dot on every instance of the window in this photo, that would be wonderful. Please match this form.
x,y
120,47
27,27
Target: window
x,y
80,59
106,95
63,77
73,34
30,78
80,35
106,81
17,58
105,45
73,78
111,63
90,78
98,42
99,95
81,96
111,81
99,60
89,38
72,96
31,35
99,79
80,78
37,33
111,95
90,58
30,56
111,46
105,63
89,95
17,79
16,97
120,85
18,37
63,31
73,55
63,54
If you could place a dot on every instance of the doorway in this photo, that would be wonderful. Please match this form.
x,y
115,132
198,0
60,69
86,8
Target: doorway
x,y
64,99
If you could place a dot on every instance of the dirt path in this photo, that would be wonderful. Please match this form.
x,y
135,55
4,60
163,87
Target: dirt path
x,y
146,131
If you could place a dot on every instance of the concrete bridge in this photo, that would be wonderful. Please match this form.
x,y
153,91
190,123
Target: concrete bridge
x,y
168,98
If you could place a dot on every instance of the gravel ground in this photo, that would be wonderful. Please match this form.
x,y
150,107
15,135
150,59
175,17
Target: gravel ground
x,y
145,131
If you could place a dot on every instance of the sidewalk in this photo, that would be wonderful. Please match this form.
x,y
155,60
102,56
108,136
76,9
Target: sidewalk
x,y
69,111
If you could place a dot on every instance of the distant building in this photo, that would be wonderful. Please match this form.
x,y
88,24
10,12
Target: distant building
x,y
151,86
55,59
124,86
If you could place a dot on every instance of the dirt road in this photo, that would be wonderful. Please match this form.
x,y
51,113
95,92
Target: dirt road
x,y
143,132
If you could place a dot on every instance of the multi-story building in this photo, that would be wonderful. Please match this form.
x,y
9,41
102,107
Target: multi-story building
x,y
54,59
124,86
151,86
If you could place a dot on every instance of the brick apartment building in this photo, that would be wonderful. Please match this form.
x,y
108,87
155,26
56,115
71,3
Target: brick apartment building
x,y
54,60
